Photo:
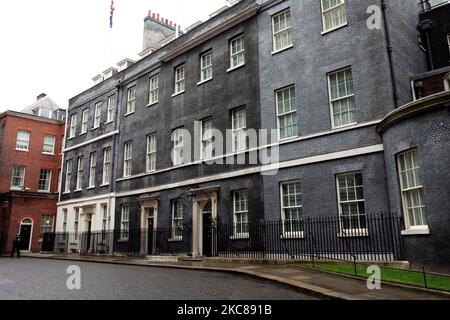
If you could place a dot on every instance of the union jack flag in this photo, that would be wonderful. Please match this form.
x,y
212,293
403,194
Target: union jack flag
x,y
112,14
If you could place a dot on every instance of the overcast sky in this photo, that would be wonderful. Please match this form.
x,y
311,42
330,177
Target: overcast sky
x,y
57,46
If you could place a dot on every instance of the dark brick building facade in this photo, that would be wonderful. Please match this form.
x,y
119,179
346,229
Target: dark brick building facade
x,y
323,84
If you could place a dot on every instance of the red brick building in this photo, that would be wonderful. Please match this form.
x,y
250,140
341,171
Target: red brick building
x,y
30,162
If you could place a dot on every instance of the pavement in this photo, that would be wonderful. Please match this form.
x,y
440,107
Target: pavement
x,y
314,282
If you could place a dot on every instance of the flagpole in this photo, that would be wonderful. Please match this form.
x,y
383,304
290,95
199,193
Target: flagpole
x,y
108,34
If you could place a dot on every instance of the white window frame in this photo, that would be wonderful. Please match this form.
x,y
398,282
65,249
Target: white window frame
x,y
239,54
131,100
285,31
236,212
288,113
346,232
48,182
346,97
92,169
73,126
76,224
291,234
46,226
150,160
80,171
178,147
177,222
153,94
64,226
125,222
447,82
407,190
107,165
239,133
105,215
111,108
23,143
180,77
448,41
21,177
206,66
47,144
97,115
45,113
128,159
206,140
69,169
334,8
84,121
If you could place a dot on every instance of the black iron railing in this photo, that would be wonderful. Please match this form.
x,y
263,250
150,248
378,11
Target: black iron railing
x,y
376,238
321,238
167,243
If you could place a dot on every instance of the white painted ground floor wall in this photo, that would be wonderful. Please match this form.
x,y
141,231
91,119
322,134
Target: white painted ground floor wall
x,y
96,211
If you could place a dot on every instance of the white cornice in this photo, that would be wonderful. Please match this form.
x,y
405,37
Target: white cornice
x,y
438,100
260,169
91,141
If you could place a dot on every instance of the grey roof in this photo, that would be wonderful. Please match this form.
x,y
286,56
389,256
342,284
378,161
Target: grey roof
x,y
44,103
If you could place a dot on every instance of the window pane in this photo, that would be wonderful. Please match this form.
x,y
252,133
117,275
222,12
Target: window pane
x,y
237,52
44,180
282,31
292,207
334,14
342,99
49,144
23,140
154,90
351,201
18,179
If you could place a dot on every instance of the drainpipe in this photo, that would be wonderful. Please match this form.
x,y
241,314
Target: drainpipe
x,y
389,51
63,145
427,25
113,149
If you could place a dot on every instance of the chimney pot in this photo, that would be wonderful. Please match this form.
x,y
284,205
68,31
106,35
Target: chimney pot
x,y
154,15
42,95
149,13
157,16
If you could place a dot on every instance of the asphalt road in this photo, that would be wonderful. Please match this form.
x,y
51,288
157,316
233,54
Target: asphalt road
x,y
35,279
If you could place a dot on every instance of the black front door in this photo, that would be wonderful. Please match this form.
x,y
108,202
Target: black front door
x,y
207,230
25,236
150,237
88,238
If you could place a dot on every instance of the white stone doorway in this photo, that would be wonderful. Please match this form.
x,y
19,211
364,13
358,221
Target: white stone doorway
x,y
204,220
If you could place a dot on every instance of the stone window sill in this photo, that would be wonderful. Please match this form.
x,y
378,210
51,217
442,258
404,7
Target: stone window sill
x,y
335,28
236,67
283,49
416,232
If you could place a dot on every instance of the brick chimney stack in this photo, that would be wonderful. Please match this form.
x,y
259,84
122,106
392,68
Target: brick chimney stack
x,y
156,28
157,17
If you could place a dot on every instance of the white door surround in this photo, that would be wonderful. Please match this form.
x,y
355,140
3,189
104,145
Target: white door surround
x,y
87,213
145,204
27,222
199,202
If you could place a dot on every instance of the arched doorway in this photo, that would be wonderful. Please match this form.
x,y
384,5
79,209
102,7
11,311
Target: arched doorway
x,y
26,232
